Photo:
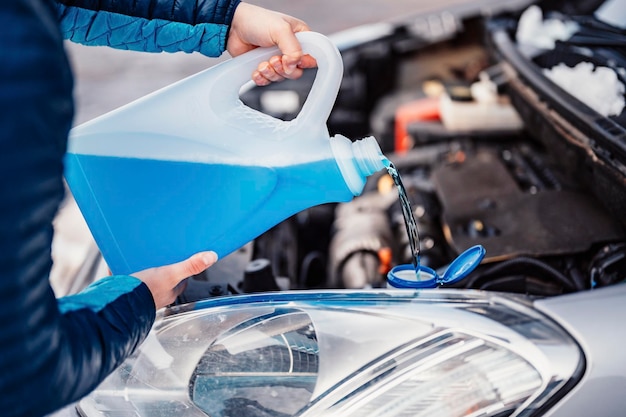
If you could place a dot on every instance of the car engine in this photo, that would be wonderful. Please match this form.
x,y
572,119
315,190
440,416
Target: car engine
x,y
488,158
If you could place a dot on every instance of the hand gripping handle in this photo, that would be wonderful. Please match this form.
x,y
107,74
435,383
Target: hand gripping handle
x,y
316,109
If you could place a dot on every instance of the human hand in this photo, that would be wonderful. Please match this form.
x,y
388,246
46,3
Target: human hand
x,y
254,26
167,282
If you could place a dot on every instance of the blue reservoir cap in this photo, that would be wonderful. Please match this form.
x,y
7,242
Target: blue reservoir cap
x,y
463,265
405,276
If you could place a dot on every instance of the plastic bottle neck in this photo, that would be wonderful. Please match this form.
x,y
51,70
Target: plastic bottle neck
x,y
357,160
368,156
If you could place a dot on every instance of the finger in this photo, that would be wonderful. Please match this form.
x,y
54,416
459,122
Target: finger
x,y
307,61
277,64
267,71
259,79
297,73
290,46
190,266
289,64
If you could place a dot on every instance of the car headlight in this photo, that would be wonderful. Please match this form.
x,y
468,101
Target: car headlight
x,y
376,353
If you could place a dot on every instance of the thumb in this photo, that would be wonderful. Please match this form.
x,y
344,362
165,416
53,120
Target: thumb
x,y
164,282
290,46
192,265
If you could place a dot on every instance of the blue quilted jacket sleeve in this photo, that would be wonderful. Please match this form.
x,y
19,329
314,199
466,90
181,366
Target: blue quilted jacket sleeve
x,y
149,25
52,352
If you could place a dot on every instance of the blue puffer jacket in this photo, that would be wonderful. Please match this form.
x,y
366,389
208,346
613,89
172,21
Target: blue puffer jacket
x,y
149,25
53,352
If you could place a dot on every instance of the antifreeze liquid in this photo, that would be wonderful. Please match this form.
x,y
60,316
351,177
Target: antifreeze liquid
x,y
192,198
407,212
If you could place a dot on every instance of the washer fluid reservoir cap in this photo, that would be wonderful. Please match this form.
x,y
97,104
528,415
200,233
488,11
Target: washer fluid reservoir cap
x,y
405,275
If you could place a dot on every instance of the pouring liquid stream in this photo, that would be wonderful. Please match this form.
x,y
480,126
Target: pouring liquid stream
x,y
409,219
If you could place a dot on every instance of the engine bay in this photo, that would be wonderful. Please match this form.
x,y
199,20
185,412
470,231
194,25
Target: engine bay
x,y
487,158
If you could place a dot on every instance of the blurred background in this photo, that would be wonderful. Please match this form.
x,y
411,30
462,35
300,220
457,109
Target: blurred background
x,y
106,78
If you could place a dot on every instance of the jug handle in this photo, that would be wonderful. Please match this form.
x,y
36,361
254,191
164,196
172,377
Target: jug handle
x,y
316,109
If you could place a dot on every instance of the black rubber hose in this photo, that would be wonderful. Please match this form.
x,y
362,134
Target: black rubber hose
x,y
523,266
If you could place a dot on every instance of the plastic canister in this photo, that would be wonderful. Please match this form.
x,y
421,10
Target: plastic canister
x,y
191,168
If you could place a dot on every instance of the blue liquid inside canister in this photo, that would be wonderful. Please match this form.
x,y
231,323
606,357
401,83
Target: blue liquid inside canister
x,y
145,213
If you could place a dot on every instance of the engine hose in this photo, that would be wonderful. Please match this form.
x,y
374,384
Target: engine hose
x,y
523,266
509,284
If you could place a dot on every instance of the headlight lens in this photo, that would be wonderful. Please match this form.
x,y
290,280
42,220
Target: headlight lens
x,y
389,353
